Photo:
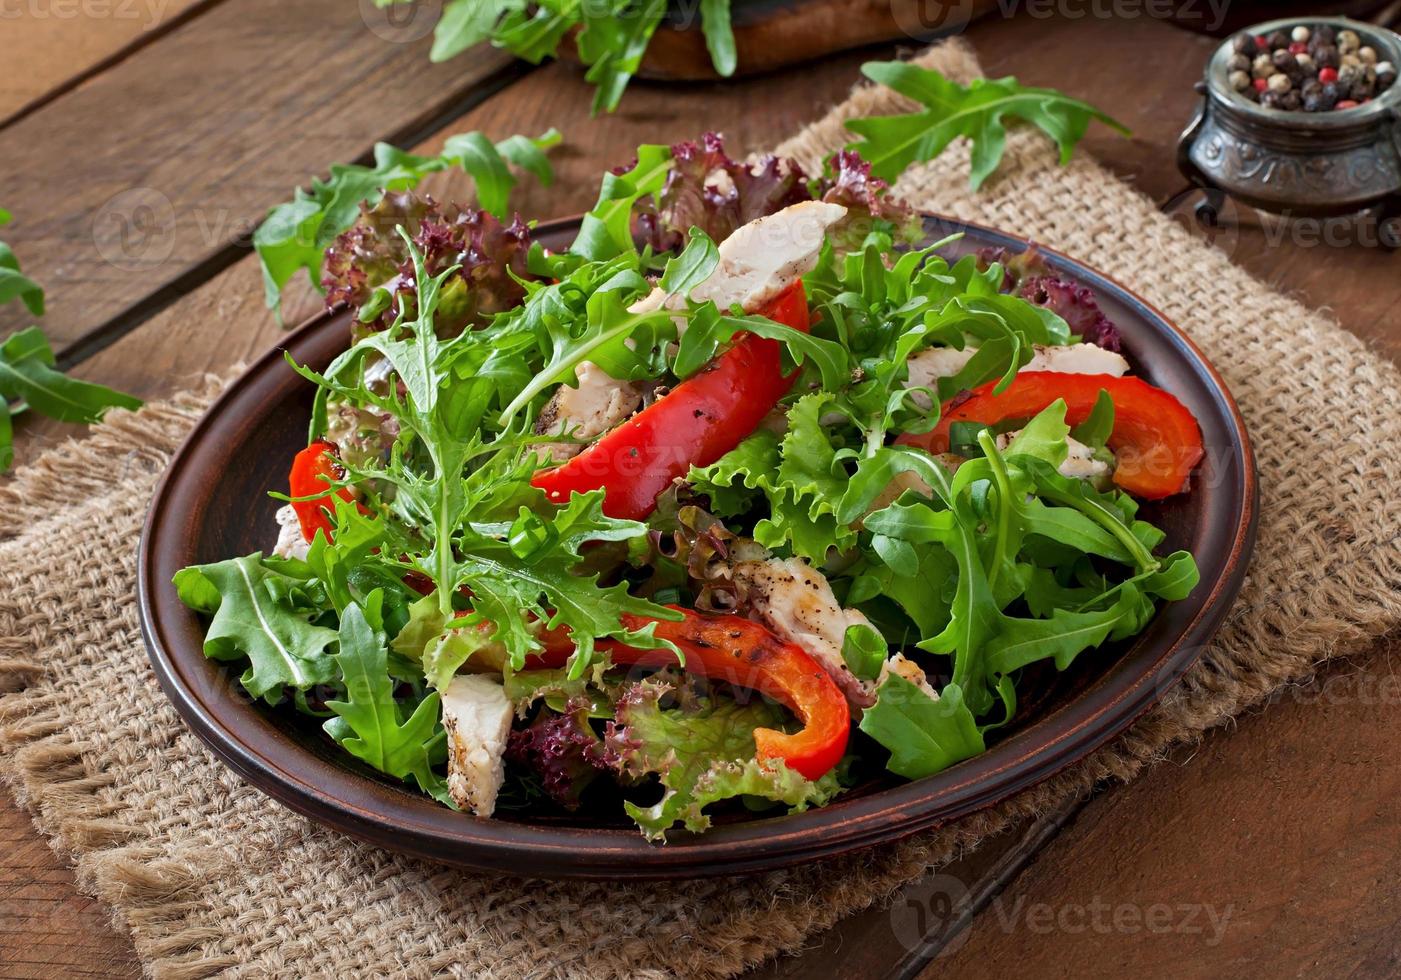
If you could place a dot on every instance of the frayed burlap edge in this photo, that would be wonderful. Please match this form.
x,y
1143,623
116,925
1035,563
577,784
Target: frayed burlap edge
x,y
156,894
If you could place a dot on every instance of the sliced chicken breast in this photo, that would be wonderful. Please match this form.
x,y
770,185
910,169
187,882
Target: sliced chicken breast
x,y
757,263
477,716
1079,464
933,363
290,542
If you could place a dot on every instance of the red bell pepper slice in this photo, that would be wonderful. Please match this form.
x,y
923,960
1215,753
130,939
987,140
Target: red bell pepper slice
x,y
743,653
313,470
696,423
1156,440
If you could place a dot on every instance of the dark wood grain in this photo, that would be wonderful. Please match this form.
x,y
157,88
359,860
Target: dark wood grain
x,y
1267,851
142,181
47,928
49,47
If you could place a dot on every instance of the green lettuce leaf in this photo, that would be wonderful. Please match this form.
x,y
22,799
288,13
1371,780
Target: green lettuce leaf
x,y
701,755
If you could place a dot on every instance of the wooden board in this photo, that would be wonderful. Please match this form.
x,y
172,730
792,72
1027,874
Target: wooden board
x,y
135,187
51,47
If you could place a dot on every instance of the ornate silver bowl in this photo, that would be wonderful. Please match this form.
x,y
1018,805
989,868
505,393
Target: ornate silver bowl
x,y
1296,163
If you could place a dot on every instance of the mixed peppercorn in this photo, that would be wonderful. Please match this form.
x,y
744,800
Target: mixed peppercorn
x,y
1317,69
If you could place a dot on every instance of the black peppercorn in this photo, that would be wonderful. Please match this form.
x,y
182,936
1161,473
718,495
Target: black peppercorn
x,y
1332,92
1278,39
1245,44
1290,101
1326,56
1312,87
1325,34
1287,64
1270,99
1238,62
1363,89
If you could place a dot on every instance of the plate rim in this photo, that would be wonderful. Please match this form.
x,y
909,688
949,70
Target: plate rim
x,y
551,850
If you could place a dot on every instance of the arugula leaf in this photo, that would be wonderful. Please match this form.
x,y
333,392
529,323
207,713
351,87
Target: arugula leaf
x,y
370,724
264,616
1099,424
976,111
863,651
27,374
924,735
294,236
612,44
719,35
464,23
606,230
13,283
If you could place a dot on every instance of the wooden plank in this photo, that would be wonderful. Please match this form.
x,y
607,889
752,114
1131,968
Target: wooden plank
x,y
1269,851
51,45
139,184
47,928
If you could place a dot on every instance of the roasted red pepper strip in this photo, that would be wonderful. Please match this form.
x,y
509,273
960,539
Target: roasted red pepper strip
x,y
1156,440
743,653
700,420
313,470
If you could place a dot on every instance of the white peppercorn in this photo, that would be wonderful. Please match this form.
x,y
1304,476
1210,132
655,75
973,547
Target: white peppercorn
x,y
1263,66
1348,42
1279,82
1305,62
1300,33
1351,61
1240,80
1368,55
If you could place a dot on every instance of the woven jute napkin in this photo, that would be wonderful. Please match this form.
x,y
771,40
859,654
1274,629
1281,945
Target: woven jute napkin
x,y
211,877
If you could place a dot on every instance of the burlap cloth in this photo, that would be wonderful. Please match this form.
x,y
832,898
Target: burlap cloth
x,y
210,876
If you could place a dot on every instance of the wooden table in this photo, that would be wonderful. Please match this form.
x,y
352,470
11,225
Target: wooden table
x,y
1268,849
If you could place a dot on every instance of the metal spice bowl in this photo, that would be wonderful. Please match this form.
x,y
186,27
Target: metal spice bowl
x,y
1313,164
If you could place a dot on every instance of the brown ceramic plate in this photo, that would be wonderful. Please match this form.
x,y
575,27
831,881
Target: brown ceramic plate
x,y
213,504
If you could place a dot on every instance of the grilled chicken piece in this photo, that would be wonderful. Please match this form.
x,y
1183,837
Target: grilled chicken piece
x,y
477,716
910,671
290,542
757,263
928,366
1079,463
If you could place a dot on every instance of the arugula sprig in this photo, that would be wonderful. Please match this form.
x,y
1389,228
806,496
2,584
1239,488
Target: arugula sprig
x,y
977,111
467,516
612,39
29,377
15,284
294,236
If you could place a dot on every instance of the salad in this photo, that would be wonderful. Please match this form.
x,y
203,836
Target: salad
x,y
746,497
